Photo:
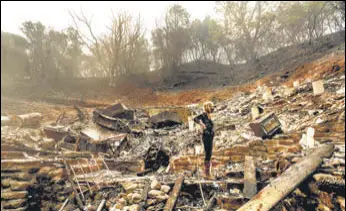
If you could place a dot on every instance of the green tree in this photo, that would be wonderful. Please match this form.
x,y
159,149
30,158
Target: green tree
x,y
14,60
248,25
74,52
53,54
206,40
172,40
38,49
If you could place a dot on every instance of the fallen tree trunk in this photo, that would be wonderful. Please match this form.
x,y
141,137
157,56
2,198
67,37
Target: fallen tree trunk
x,y
174,195
31,119
250,183
288,181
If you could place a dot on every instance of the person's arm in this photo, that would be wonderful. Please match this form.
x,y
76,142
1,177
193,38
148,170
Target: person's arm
x,y
198,120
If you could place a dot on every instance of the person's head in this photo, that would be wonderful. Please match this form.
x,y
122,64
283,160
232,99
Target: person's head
x,y
208,107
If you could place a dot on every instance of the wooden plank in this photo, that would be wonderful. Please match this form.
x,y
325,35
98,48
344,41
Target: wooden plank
x,y
237,181
230,202
209,182
250,183
63,205
102,204
211,203
283,185
133,166
175,193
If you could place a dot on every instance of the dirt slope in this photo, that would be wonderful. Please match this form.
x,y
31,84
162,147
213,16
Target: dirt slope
x,y
211,75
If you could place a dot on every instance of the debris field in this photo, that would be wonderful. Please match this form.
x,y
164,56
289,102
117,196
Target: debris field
x,y
276,148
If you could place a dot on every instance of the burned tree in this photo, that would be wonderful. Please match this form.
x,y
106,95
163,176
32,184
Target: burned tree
x,y
122,51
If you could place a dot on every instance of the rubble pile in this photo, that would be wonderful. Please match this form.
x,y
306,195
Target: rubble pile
x,y
128,159
156,196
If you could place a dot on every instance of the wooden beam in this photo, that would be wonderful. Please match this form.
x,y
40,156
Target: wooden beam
x,y
283,185
63,205
238,181
102,204
250,183
175,193
211,203
168,180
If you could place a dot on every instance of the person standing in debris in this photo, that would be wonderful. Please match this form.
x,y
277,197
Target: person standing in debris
x,y
208,134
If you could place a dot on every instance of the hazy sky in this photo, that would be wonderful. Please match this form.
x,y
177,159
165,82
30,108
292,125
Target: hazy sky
x,y
55,13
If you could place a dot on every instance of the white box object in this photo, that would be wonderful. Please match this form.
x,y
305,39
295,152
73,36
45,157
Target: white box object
x,y
191,123
255,112
310,141
267,95
318,87
303,141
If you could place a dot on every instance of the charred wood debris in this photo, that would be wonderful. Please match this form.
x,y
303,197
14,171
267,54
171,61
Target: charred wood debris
x,y
277,148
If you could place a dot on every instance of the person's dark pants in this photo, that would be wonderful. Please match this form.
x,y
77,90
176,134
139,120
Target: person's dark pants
x,y
208,144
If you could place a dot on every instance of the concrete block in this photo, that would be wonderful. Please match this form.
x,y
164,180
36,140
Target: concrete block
x,y
310,137
296,84
289,91
307,140
318,87
255,112
268,94
191,123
